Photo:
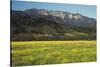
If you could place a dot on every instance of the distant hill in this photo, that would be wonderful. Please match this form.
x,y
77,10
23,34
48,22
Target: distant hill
x,y
41,24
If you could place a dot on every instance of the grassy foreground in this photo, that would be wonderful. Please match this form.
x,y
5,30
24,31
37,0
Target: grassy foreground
x,y
52,52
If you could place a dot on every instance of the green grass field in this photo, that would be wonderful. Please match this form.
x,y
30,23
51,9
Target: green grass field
x,y
52,52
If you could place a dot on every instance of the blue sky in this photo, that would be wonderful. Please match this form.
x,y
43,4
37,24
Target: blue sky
x,y
86,10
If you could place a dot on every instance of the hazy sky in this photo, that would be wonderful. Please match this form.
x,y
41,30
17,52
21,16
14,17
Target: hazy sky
x,y
86,10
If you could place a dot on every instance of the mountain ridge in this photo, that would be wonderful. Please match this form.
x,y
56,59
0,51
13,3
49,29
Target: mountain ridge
x,y
60,15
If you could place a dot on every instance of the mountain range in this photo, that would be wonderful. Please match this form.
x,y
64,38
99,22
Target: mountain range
x,y
51,24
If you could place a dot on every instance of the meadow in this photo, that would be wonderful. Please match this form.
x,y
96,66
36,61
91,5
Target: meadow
x,y
52,52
